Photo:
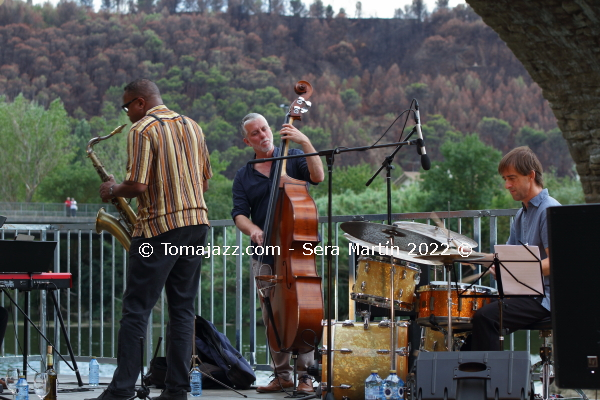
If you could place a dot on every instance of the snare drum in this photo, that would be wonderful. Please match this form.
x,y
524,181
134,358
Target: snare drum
x,y
374,280
433,304
357,351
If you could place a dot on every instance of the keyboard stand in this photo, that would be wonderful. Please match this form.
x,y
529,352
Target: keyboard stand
x,y
26,335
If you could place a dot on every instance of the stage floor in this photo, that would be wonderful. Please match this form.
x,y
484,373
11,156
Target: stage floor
x,y
68,382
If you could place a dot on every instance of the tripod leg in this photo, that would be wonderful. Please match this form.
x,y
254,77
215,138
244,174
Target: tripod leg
x,y
143,392
66,335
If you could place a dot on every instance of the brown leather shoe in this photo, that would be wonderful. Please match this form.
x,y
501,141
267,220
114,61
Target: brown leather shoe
x,y
275,386
305,385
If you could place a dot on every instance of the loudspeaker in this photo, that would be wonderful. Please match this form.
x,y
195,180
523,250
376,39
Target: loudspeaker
x,y
473,375
574,283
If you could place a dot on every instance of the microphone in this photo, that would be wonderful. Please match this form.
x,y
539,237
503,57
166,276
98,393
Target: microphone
x,y
425,162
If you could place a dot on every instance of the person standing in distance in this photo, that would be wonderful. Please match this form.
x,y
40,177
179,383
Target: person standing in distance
x,y
251,192
167,171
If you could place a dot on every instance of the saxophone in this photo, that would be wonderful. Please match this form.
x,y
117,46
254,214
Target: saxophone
x,y
121,228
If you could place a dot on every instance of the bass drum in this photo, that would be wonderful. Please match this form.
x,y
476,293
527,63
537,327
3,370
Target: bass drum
x,y
356,352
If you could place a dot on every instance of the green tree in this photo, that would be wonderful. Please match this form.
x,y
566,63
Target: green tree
x,y
35,141
494,132
218,197
351,179
531,137
467,177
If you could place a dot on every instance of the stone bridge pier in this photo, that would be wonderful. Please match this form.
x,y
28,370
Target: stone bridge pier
x,y
558,42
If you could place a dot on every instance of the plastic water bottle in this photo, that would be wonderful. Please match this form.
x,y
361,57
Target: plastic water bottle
x,y
94,372
196,382
393,387
373,386
22,389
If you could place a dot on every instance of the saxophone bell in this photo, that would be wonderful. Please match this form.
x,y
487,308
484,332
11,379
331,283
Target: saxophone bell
x,y
112,225
122,228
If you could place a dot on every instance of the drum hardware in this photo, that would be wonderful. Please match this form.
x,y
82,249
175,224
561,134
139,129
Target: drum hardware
x,y
384,323
403,351
365,316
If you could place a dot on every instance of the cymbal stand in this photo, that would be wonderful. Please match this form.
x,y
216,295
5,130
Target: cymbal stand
x,y
449,338
393,343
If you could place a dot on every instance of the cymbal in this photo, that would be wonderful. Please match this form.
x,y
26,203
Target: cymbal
x,y
388,235
435,232
451,255
387,251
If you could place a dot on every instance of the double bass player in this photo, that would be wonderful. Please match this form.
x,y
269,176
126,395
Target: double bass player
x,y
251,188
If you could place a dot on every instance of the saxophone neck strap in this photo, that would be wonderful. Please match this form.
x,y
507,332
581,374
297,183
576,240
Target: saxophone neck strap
x,y
162,122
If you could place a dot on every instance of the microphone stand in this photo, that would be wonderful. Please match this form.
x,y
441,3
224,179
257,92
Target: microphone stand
x,y
330,159
387,164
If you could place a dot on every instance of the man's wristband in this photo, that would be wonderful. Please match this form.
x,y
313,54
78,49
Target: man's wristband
x,y
110,191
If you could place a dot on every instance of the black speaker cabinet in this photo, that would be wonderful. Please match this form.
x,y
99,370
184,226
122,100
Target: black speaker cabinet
x,y
473,375
574,240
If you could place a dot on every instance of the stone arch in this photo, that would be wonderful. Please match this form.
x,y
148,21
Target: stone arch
x,y
558,42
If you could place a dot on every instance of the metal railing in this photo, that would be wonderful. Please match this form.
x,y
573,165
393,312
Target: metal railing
x,y
98,263
23,209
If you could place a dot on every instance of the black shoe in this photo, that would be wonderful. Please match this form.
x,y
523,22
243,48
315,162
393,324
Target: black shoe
x,y
169,395
108,395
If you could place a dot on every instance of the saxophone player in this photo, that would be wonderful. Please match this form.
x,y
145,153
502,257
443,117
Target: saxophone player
x,y
167,171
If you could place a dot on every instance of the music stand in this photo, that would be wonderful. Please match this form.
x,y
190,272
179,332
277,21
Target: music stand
x,y
517,275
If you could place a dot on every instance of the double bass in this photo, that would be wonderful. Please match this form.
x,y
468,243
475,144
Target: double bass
x,y
294,298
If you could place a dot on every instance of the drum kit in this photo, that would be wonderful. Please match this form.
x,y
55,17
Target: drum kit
x,y
388,275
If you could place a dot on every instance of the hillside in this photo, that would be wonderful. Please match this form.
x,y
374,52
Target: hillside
x,y
216,67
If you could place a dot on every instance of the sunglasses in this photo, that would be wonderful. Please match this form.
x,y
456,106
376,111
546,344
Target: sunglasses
x,y
125,106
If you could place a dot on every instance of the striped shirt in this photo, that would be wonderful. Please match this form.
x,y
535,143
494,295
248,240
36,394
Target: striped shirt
x,y
172,159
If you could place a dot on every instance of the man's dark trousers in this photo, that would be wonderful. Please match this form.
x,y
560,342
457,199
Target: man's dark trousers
x,y
179,274
518,312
